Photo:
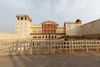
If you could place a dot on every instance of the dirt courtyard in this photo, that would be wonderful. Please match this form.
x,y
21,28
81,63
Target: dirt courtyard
x,y
54,60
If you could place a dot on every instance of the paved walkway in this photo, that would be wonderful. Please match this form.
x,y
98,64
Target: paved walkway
x,y
57,60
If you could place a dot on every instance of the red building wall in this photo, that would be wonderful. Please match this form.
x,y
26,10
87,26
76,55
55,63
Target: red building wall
x,y
49,27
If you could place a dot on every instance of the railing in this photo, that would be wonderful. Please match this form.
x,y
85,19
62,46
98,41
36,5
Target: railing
x,y
49,47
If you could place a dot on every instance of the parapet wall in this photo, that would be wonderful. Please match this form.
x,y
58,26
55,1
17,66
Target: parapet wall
x,y
49,47
9,36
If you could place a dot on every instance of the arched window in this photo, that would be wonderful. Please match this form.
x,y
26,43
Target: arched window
x,y
43,36
52,37
49,37
21,18
25,18
18,18
46,37
55,36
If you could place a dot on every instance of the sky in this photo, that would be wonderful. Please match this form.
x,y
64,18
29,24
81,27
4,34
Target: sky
x,y
59,11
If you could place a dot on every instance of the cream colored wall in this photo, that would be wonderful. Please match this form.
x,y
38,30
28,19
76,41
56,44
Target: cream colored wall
x,y
91,28
23,27
60,29
73,29
9,36
36,28
36,25
57,36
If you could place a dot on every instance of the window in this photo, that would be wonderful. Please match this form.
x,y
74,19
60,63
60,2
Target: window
x,y
39,36
55,36
52,37
25,18
43,36
49,37
18,18
21,18
46,36
34,36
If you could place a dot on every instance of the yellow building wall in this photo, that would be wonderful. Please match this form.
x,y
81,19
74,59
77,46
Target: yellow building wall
x,y
60,29
23,27
36,28
9,36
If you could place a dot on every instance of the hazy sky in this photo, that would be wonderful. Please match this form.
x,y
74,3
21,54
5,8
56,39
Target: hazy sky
x,y
43,10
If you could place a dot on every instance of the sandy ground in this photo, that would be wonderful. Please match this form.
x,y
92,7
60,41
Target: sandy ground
x,y
55,60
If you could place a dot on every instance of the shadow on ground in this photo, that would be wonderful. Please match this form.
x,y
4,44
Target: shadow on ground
x,y
56,60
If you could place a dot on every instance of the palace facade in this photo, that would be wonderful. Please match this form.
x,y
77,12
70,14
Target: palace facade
x,y
45,30
50,30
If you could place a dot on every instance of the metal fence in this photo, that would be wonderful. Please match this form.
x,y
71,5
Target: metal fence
x,y
49,47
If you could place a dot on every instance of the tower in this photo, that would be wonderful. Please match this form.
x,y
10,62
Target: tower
x,y
23,24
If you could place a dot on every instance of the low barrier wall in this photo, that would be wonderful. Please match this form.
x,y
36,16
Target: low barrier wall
x,y
49,47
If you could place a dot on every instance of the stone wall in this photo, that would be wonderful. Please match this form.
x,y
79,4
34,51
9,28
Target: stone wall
x,y
60,29
9,36
49,47
36,28
91,28
72,29
23,24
